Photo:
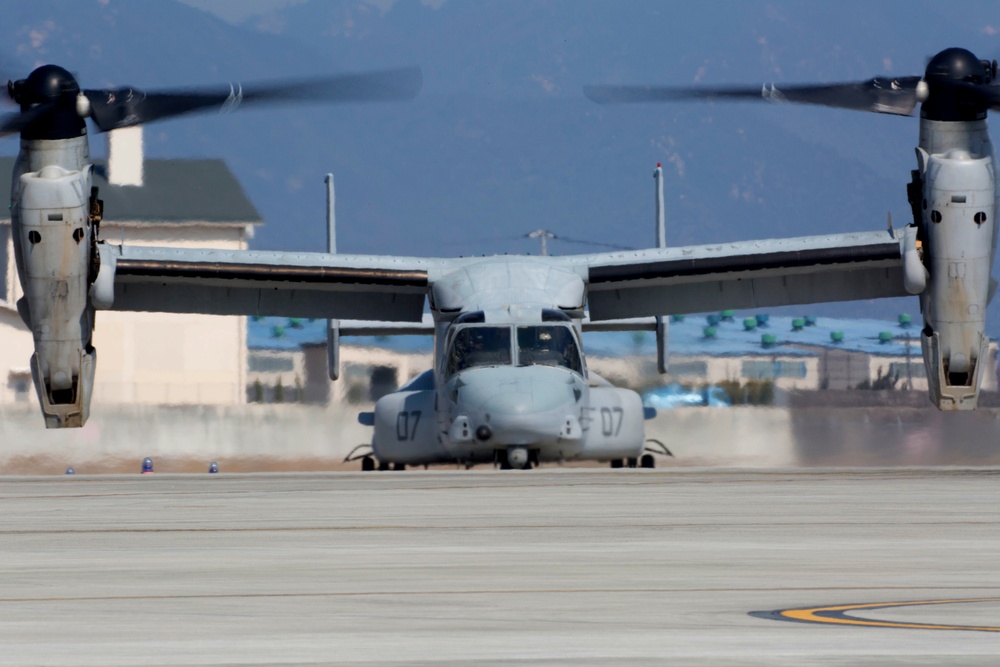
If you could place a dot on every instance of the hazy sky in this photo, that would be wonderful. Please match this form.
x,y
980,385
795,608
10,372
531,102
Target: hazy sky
x,y
235,11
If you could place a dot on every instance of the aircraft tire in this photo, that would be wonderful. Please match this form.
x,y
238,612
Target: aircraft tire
x,y
647,461
399,466
383,466
633,462
616,463
367,464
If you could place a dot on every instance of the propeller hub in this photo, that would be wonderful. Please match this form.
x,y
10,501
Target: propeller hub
x,y
48,83
48,101
958,65
954,77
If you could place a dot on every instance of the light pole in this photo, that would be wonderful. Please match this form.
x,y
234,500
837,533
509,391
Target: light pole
x,y
544,235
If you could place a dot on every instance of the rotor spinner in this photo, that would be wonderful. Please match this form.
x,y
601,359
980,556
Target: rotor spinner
x,y
953,77
48,83
56,88
960,65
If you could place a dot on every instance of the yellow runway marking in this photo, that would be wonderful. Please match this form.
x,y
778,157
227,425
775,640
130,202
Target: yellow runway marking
x,y
837,615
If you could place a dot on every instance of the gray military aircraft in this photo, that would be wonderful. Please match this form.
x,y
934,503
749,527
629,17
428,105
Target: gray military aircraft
x,y
510,383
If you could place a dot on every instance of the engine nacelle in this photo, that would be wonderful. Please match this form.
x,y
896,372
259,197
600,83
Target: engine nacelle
x,y
406,429
54,235
613,424
959,235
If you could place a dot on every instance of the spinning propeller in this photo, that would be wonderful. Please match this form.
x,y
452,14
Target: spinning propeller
x,y
955,86
53,106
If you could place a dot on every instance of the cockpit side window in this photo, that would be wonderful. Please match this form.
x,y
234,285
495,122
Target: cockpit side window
x,y
473,347
548,346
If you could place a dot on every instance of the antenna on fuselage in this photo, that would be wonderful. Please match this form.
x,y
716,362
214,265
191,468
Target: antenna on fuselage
x,y
332,326
662,325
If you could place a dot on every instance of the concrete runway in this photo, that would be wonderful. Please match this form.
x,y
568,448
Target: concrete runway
x,y
548,567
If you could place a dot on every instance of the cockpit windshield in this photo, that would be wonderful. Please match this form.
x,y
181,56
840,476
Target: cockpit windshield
x,y
548,345
479,346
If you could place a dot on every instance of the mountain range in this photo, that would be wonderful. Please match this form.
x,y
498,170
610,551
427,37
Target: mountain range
x,y
501,141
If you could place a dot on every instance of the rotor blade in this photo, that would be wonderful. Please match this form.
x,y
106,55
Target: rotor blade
x,y
992,96
981,95
123,107
13,123
880,95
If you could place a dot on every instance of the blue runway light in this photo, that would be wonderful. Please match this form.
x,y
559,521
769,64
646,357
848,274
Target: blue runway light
x,y
147,466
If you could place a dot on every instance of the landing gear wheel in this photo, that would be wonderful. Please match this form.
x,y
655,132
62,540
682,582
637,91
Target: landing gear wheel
x,y
505,464
399,466
383,466
367,464
633,462
647,461
616,463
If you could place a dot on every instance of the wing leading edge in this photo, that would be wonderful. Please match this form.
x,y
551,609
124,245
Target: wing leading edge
x,y
621,285
750,274
227,282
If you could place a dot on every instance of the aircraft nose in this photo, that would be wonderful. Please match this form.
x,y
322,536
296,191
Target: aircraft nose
x,y
517,393
521,406
512,403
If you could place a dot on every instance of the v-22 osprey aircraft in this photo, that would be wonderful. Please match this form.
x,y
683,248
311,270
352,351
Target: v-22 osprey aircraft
x,y
510,383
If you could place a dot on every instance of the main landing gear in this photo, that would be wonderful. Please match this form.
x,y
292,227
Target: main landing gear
x,y
385,465
647,460
364,454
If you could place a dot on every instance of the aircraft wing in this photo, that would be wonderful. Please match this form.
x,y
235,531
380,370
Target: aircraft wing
x,y
425,327
628,324
234,282
749,274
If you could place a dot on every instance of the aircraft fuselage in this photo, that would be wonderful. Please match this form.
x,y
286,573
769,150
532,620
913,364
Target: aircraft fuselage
x,y
510,383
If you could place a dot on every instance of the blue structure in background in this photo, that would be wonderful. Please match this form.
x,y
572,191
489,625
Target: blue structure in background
x,y
721,334
732,336
289,333
675,395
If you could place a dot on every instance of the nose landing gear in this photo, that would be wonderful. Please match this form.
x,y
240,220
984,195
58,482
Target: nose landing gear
x,y
365,454
516,458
